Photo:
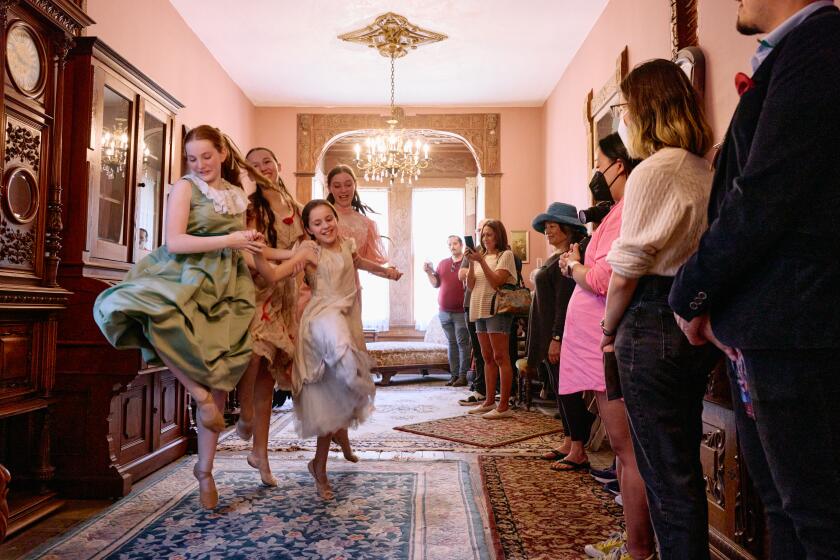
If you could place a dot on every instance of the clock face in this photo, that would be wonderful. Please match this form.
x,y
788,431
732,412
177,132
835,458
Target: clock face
x,y
23,58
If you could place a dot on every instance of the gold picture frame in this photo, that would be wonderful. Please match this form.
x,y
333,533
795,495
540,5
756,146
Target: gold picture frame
x,y
520,244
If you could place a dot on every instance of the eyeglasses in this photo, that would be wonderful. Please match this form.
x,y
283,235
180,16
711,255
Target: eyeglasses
x,y
617,110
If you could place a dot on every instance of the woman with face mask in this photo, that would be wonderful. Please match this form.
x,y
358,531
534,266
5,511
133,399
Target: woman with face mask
x,y
583,367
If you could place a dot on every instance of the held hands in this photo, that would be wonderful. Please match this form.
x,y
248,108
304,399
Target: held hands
x,y
249,240
570,256
427,268
392,273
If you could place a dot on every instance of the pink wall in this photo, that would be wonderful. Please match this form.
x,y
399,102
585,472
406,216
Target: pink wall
x,y
644,27
522,155
153,36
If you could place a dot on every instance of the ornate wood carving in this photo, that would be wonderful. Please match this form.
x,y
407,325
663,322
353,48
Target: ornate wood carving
x,y
23,144
684,23
715,482
749,521
17,246
67,15
595,104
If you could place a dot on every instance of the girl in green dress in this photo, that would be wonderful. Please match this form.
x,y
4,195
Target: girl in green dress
x,y
188,304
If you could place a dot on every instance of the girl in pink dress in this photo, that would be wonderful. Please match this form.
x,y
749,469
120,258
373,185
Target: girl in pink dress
x,y
582,361
353,221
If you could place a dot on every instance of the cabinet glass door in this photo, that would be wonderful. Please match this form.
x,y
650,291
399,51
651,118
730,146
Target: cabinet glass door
x,y
115,146
149,183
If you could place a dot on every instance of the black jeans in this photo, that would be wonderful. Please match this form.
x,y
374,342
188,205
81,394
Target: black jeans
x,y
577,420
792,448
663,379
478,384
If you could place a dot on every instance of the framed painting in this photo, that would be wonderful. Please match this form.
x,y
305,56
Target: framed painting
x,y
520,245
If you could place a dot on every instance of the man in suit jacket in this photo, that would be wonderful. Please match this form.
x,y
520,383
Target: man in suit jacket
x,y
764,284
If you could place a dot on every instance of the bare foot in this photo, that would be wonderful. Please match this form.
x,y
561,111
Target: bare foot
x,y
264,467
344,443
322,486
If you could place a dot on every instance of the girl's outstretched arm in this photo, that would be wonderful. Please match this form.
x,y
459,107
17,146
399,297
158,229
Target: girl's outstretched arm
x,y
390,273
290,267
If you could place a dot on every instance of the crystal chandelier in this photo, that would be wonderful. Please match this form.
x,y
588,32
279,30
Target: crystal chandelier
x,y
392,153
115,149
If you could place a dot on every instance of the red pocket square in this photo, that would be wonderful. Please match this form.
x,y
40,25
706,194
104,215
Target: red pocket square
x,y
743,83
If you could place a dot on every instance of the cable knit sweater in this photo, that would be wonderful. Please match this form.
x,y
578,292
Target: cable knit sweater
x,y
665,205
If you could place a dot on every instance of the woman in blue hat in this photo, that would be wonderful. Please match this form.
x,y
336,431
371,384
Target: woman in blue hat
x,y
562,228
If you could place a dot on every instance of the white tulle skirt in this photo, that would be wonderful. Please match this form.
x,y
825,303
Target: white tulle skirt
x,y
341,394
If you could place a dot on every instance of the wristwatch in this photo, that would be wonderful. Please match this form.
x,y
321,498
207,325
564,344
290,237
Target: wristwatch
x,y
604,329
556,337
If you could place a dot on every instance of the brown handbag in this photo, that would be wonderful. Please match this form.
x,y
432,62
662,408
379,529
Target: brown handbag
x,y
511,299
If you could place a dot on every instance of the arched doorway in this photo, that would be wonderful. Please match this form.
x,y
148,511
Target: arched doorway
x,y
465,146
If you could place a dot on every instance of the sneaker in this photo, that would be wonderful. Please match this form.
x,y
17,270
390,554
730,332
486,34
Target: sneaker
x,y
496,415
619,500
482,409
619,553
460,382
601,549
604,475
474,399
612,488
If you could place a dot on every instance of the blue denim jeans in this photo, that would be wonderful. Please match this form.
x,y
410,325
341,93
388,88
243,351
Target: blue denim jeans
x,y
792,448
458,336
663,379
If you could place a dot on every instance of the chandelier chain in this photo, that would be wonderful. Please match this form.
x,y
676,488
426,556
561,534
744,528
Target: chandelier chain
x,y
392,85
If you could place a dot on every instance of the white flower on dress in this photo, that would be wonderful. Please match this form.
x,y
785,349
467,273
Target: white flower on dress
x,y
230,200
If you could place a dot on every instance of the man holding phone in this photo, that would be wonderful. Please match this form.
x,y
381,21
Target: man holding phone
x,y
452,319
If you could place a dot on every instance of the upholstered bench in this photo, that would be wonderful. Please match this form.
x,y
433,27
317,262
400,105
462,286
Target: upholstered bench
x,y
393,357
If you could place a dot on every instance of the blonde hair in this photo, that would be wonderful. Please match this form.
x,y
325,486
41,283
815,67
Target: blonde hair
x,y
665,110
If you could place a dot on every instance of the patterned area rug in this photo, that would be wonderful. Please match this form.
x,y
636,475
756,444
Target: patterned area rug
x,y
397,405
537,513
471,429
383,510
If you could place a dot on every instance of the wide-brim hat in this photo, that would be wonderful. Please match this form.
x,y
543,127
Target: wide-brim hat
x,y
559,213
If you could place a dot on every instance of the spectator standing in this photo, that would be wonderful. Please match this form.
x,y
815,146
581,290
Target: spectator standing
x,y
451,313
477,385
766,276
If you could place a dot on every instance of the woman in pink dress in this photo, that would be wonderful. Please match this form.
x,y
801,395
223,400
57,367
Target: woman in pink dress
x,y
352,215
582,364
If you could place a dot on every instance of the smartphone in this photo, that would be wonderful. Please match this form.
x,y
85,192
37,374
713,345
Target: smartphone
x,y
468,239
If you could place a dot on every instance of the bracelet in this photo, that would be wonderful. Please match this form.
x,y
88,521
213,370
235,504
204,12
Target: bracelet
x,y
604,329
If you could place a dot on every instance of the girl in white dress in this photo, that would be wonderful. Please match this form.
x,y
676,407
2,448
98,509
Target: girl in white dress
x,y
331,379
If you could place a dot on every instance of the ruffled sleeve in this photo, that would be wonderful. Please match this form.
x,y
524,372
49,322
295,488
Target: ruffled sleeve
x,y
373,249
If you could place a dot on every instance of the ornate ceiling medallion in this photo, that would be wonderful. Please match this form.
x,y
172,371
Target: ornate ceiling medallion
x,y
392,35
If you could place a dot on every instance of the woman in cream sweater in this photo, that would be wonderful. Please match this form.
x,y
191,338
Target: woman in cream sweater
x,y
663,377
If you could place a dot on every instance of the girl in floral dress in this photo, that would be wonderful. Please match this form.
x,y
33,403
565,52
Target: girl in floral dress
x,y
331,380
275,214
188,304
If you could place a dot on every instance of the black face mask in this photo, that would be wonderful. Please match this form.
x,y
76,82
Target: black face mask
x,y
600,188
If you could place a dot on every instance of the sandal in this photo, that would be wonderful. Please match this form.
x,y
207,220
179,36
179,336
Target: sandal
x,y
262,465
323,488
564,465
554,455
207,493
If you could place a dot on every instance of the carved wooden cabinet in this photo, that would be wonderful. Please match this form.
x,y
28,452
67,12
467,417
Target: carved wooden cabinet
x,y
736,517
117,419
36,35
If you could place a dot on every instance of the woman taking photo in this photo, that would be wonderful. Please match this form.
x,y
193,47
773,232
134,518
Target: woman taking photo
x,y
583,365
489,268
663,377
276,214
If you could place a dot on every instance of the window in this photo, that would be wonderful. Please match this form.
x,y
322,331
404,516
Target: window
x,y
436,213
376,299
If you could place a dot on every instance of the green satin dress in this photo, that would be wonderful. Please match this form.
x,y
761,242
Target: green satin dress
x,y
193,309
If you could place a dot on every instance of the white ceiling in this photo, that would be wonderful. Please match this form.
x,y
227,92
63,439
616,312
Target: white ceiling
x,y
499,52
